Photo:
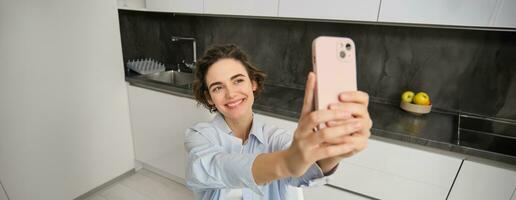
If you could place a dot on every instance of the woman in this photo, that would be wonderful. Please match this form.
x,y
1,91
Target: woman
x,y
237,157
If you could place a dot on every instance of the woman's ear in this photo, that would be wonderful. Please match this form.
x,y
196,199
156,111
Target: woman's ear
x,y
254,84
208,98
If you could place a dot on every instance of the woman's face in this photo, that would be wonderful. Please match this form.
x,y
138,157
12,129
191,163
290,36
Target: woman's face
x,y
230,88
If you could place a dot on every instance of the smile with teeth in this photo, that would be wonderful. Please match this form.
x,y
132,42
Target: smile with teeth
x,y
235,103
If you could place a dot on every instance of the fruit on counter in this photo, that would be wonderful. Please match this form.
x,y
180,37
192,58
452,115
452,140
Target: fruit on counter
x,y
421,98
407,96
419,105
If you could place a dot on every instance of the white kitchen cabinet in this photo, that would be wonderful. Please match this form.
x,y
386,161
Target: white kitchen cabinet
x,y
365,10
481,181
389,171
159,122
505,15
242,7
439,12
179,6
131,4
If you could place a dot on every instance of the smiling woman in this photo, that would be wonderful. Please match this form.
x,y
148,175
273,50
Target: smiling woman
x,y
231,55
238,157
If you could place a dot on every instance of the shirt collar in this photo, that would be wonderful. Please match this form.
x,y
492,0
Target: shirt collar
x,y
256,127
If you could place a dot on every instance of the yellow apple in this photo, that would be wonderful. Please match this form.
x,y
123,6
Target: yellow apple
x,y
422,98
407,96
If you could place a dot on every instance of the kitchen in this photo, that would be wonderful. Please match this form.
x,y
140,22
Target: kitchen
x,y
67,136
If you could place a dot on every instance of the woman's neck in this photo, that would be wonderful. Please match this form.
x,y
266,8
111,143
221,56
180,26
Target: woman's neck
x,y
241,126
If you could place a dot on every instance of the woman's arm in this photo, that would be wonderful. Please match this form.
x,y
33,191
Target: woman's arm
x,y
209,166
308,146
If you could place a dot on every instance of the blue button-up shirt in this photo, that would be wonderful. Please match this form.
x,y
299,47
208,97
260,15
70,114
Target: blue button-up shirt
x,y
218,161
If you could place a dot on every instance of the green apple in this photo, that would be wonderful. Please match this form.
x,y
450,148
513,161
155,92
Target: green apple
x,y
407,96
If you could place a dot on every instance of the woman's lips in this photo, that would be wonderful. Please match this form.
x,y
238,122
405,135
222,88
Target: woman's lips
x,y
234,104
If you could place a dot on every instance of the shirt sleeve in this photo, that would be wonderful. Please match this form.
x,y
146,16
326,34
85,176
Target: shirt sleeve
x,y
210,167
314,176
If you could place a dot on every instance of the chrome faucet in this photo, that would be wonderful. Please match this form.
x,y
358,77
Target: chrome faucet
x,y
194,46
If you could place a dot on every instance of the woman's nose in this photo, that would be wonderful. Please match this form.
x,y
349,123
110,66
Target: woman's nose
x,y
231,92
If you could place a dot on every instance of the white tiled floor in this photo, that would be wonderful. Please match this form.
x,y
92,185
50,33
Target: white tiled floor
x,y
143,185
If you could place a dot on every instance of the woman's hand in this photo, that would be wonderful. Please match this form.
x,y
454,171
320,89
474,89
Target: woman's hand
x,y
338,139
355,103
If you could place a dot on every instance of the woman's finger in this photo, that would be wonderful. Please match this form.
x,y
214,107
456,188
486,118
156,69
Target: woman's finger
x,y
339,140
330,133
359,141
311,120
355,109
338,122
365,132
327,151
309,95
354,97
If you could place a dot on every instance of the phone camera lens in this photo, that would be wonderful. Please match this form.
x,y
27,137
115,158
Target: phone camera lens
x,y
348,46
342,54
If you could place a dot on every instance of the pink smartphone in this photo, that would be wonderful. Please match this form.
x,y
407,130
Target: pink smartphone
x,y
334,64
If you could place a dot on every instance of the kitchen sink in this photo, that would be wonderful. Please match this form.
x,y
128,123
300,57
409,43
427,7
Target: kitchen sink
x,y
171,77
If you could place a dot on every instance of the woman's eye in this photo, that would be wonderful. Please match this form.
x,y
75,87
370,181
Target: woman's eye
x,y
239,81
216,89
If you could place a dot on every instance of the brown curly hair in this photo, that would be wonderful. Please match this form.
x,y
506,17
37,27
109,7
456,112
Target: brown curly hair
x,y
212,55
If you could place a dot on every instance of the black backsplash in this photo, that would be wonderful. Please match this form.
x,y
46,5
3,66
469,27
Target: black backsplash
x,y
462,70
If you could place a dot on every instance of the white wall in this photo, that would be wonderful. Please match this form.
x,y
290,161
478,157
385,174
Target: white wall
x,y
3,195
64,119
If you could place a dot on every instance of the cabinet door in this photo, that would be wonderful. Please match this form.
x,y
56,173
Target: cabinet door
x,y
131,4
390,171
180,6
159,122
242,7
480,181
365,10
442,12
506,14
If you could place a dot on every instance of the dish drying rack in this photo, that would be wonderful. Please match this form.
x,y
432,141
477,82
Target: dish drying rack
x,y
145,66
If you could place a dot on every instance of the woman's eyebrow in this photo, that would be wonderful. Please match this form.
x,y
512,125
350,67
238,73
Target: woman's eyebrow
x,y
220,83
236,76
214,84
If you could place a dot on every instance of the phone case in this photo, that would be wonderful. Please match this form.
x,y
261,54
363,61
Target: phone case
x,y
334,64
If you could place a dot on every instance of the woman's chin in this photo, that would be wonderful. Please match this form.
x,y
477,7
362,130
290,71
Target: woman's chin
x,y
237,112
